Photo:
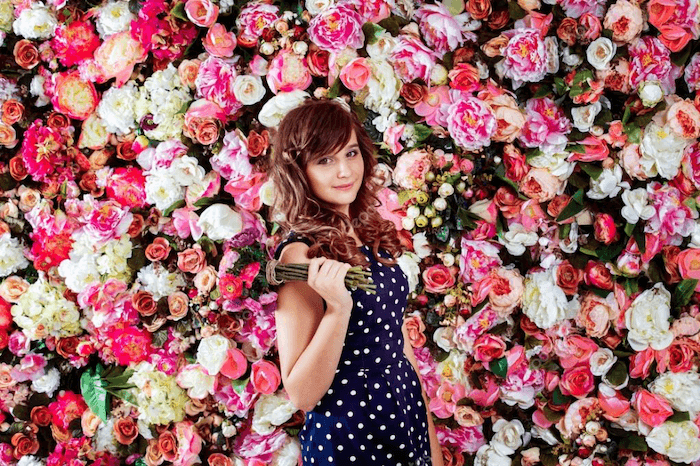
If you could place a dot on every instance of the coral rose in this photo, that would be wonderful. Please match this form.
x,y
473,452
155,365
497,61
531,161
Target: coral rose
x,y
265,377
26,54
125,430
653,409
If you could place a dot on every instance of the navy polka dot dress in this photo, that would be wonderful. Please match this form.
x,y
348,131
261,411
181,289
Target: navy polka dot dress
x,y
373,412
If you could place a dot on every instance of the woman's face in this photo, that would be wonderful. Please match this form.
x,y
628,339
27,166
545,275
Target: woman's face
x,y
336,178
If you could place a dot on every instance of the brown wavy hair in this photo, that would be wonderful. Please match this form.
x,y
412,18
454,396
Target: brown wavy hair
x,y
310,131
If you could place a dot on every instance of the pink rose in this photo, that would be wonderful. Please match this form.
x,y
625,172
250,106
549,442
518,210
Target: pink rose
x,y
591,25
653,409
539,184
596,315
288,72
640,363
488,347
219,42
594,150
392,137
235,365
470,121
438,279
577,381
203,13
189,444
412,60
430,104
415,329
336,28
598,275
604,228
265,377
116,57
625,20
74,96
689,264
355,74
574,350
441,29
506,290
614,404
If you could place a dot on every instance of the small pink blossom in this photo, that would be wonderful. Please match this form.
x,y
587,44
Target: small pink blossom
x,y
431,105
444,403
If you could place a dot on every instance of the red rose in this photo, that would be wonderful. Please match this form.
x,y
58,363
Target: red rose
x,y
596,274
26,54
412,93
604,229
567,30
577,381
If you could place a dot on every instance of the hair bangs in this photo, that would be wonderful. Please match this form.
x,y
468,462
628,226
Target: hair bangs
x,y
333,130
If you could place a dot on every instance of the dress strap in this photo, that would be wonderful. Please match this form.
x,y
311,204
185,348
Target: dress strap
x,y
292,237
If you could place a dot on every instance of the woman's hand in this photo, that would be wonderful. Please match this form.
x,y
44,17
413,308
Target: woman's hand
x,y
327,278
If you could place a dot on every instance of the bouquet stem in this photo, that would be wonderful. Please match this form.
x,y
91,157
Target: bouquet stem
x,y
355,278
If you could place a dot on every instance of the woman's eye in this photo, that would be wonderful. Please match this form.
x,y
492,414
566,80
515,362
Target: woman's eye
x,y
352,153
324,161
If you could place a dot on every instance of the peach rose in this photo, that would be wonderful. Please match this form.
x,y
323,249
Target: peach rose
x,y
510,119
144,303
467,417
625,20
506,290
653,409
438,279
494,47
203,13
539,184
265,377
596,314
12,288
684,119
154,455
219,42
188,71
508,202
41,416
355,74
24,444
258,143
125,430
28,198
178,305
598,275
26,54
568,30
192,260
8,136
167,444
158,250
12,111
219,459
412,93
415,329
479,9
205,279
236,364
689,264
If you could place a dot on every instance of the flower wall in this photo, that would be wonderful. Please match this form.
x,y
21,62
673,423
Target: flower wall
x,y
540,162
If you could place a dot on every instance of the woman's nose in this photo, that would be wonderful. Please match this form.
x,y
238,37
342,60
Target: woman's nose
x,y
343,168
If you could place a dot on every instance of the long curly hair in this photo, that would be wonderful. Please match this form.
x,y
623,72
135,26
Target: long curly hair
x,y
312,130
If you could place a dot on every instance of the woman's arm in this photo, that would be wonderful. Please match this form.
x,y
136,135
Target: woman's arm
x,y
435,448
309,339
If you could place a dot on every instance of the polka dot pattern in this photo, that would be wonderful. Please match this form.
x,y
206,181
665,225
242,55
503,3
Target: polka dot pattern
x,y
373,412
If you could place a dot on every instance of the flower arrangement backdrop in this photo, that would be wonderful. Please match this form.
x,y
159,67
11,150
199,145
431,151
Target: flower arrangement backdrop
x,y
540,162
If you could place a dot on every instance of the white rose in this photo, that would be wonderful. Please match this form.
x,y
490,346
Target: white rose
x,y
681,389
677,440
278,106
114,17
636,206
289,454
600,52
315,7
382,47
47,383
29,460
36,22
570,59
507,436
544,302
584,116
488,455
443,337
196,381
662,151
556,162
524,397
162,190
116,109
408,262
270,412
407,223
248,89
608,184
517,238
187,171
647,320
220,222
446,189
211,353
601,361
650,92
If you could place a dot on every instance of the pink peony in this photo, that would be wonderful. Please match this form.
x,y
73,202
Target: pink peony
x,y
253,19
525,57
412,60
444,403
219,42
477,259
336,28
215,81
189,444
127,186
411,168
75,42
650,60
653,409
431,105
577,8
371,11
546,126
692,73
288,72
470,121
42,150
441,29
672,219
115,58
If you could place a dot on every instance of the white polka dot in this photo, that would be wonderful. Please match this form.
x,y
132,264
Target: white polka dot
x,y
350,414
339,402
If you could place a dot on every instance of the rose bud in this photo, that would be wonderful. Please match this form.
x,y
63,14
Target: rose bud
x,y
604,229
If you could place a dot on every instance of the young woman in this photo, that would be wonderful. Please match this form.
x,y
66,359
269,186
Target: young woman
x,y
344,356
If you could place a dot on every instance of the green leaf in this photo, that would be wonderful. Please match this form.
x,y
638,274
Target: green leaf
x,y
680,58
684,291
631,286
617,374
600,292
173,206
549,459
205,202
551,415
532,154
558,397
372,32
639,237
594,171
560,86
543,91
574,206
499,367
93,390
334,90
608,253
7,182
501,174
626,116
633,132
679,416
178,12
421,132
634,443
629,228
578,148
239,385
464,220
515,11
582,76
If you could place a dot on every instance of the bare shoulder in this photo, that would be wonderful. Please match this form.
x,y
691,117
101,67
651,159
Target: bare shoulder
x,y
295,253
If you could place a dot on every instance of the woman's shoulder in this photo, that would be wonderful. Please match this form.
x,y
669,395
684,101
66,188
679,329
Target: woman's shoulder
x,y
299,244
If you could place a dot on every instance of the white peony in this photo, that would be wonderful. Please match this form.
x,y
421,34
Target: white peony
x,y
600,52
36,22
114,17
278,106
555,162
636,205
158,281
602,361
517,238
647,320
544,302
608,184
211,353
194,379
11,255
408,262
116,109
220,222
662,151
270,412
43,311
508,436
36,88
249,90
47,383
288,454
681,389
488,455
187,171
381,93
28,460
677,440
315,7
382,47
162,190
585,116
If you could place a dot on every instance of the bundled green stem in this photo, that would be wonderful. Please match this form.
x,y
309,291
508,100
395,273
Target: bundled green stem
x,y
355,278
